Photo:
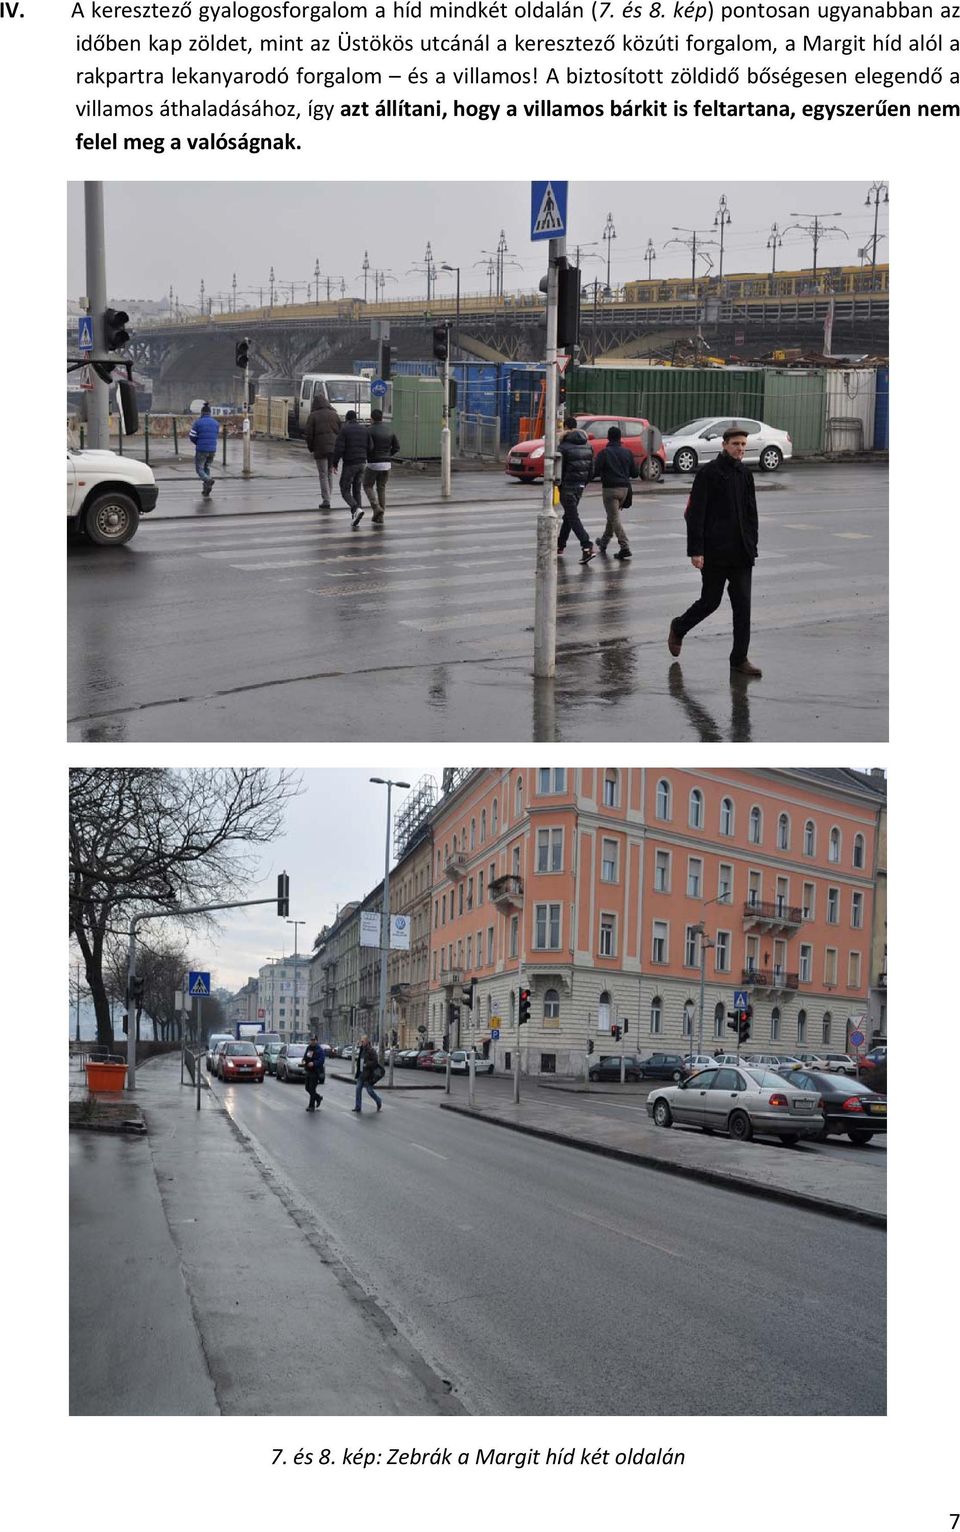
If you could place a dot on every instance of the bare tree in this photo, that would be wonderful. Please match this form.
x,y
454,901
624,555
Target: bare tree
x,y
163,838
162,962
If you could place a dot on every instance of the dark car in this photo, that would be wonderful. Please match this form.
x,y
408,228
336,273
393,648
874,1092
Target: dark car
x,y
663,1066
849,1106
239,1061
607,1067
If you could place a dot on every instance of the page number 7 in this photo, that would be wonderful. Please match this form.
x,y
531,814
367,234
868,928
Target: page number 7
x,y
954,1518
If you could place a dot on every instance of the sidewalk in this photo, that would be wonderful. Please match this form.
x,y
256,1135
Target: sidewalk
x,y
855,1191
187,1232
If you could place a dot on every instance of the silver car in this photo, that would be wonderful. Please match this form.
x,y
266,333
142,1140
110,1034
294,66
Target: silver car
x,y
690,446
740,1102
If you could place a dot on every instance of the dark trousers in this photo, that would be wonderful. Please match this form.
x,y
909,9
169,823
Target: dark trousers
x,y
351,478
314,1078
570,500
737,579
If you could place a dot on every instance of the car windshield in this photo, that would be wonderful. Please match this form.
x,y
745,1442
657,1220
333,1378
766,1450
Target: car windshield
x,y
342,392
296,1050
692,426
240,1050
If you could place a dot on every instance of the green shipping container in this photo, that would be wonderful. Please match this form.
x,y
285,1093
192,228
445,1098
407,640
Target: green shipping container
x,y
666,396
418,416
794,401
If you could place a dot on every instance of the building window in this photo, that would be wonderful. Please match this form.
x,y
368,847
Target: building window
x,y
661,872
469,951
858,851
783,833
721,952
809,838
833,906
718,1019
853,971
656,1016
825,1027
696,810
726,816
775,1024
688,1019
603,1012
809,900
755,890
515,936
806,963
783,896
611,789
489,945
549,850
663,799
473,835
608,935
469,893
661,933
551,780
609,858
753,953
443,910
856,911
547,926
518,798
801,1026
516,860
551,1005
755,835
479,888
460,899
483,826
691,947
830,966
494,817
548,1063
833,850
725,883
694,877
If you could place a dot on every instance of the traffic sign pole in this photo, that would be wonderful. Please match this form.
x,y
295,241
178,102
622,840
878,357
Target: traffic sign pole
x,y
548,526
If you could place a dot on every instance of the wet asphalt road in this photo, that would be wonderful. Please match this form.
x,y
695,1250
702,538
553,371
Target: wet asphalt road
x,y
290,626
543,1280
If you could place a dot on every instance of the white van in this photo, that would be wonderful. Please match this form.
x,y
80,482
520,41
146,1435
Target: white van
x,y
344,390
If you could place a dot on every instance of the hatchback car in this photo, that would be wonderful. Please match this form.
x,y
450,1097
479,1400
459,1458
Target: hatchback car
x,y
662,1066
607,1067
525,460
699,441
740,1102
439,1060
425,1058
460,1063
849,1106
239,1061
290,1062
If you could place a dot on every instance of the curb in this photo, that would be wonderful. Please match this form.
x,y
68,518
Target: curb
x,y
687,1172
381,1084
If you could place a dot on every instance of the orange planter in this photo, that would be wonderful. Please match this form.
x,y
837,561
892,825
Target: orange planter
x,y
106,1077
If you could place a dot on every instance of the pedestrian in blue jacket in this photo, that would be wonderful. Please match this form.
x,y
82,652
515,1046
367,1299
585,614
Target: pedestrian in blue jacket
x,y
204,433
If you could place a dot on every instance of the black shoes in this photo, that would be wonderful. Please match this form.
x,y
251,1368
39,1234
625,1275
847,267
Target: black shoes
x,y
623,553
588,553
674,641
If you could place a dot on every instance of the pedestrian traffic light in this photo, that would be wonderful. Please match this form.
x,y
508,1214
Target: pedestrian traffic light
x,y
523,1009
733,1021
135,987
243,353
615,1032
441,342
283,894
744,1025
453,1014
589,1044
467,995
568,305
386,357
393,1039
115,334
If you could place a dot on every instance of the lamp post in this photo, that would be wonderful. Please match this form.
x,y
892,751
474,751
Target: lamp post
x,y
296,971
874,195
609,233
774,243
389,784
445,266
721,219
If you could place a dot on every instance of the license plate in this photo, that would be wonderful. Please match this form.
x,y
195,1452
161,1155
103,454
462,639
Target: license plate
x,y
803,1106
516,462
877,1108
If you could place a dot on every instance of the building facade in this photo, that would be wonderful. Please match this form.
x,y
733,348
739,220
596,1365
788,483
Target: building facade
x,y
408,971
609,893
282,997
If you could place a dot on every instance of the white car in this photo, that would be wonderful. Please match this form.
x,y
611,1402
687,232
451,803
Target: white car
x,y
107,494
739,1102
690,446
459,1063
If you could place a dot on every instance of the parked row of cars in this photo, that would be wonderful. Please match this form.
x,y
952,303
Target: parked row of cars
x,y
790,1102
436,1059
684,450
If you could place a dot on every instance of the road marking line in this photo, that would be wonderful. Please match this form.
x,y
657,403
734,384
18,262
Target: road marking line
x,y
434,1152
613,1228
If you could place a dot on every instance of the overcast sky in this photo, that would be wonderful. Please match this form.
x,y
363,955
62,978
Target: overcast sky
x,y
172,233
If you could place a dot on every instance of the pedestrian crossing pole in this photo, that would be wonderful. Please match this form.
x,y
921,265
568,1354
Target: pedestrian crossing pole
x,y
246,422
445,440
548,525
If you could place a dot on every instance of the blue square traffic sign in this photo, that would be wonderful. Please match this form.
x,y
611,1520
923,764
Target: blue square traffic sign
x,y
85,332
740,1000
199,983
548,209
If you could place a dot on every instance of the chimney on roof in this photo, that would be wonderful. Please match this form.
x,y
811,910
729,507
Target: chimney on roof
x,y
877,771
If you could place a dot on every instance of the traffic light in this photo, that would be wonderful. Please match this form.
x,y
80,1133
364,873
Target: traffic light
x,y
386,355
467,995
393,1039
453,1013
446,1041
283,894
115,334
124,1024
441,342
589,1044
615,1032
127,406
626,1026
523,1009
744,1024
136,987
243,353
568,305
733,1021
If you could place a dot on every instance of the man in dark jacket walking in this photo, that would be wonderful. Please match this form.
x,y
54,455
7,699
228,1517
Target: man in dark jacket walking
x,y
314,1061
320,434
377,472
367,1067
615,468
204,434
352,449
576,466
722,531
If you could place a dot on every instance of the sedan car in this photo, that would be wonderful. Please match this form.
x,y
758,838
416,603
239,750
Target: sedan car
x,y
662,1066
839,1063
290,1062
607,1067
695,1061
460,1063
849,1106
690,446
239,1061
525,460
439,1060
425,1058
740,1102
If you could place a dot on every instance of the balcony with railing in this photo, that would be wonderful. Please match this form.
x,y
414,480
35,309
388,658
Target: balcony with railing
x,y
456,864
777,915
451,978
507,892
770,979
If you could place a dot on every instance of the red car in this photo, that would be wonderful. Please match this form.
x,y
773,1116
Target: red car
x,y
240,1061
525,460
425,1059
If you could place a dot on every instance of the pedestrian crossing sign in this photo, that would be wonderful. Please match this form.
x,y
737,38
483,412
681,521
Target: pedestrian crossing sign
x,y
548,209
199,984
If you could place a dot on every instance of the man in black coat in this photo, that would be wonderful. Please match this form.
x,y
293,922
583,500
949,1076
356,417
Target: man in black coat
x,y
722,531
367,1073
314,1067
576,466
615,468
320,434
352,449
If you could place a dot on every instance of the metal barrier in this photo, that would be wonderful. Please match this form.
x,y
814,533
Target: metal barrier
x,y
479,436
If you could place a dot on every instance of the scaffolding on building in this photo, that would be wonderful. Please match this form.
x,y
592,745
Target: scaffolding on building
x,y
412,813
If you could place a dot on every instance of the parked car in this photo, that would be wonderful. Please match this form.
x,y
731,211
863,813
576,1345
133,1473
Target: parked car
x,y
695,1061
270,1055
425,1058
771,1060
662,1066
740,1102
290,1062
218,1053
875,1059
440,1059
607,1067
690,446
459,1063
849,1106
839,1063
107,494
213,1041
240,1061
525,460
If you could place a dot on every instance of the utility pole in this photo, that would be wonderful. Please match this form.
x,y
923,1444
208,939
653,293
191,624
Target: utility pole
x,y
272,286
203,301
721,219
874,194
691,244
816,230
649,256
98,418
233,299
545,605
365,269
